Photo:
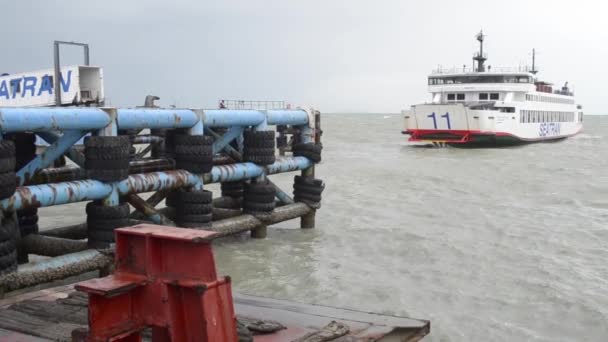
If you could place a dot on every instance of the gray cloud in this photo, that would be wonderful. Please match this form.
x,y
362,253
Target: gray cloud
x,y
356,56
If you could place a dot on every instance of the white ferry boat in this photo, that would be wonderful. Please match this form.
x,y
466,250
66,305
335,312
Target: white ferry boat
x,y
492,107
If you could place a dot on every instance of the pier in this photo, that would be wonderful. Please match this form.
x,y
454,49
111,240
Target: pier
x,y
146,254
183,151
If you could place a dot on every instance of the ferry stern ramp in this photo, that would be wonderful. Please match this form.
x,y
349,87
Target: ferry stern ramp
x,y
449,124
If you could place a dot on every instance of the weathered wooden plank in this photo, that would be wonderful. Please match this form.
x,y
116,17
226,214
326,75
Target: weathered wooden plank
x,y
56,314
31,325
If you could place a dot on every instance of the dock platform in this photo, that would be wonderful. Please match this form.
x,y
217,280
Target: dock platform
x,y
52,314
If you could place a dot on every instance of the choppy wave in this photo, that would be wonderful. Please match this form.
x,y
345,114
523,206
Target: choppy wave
x,y
490,244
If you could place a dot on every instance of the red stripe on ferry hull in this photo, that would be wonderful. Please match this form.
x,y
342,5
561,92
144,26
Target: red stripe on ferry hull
x,y
463,137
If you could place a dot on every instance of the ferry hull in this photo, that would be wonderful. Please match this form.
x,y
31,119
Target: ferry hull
x,y
473,139
463,126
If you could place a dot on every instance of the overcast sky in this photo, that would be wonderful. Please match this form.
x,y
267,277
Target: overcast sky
x,y
338,56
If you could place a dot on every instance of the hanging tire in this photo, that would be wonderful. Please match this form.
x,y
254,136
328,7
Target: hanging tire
x,y
233,189
8,179
8,184
308,181
7,164
308,150
299,196
202,218
259,147
8,245
194,153
196,197
259,197
308,190
24,148
260,188
107,157
194,209
103,220
28,221
256,207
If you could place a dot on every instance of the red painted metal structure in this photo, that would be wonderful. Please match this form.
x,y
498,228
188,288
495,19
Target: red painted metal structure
x,y
165,278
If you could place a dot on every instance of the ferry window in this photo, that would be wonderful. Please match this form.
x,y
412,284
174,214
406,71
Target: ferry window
x,y
494,96
451,97
510,79
523,80
449,81
528,116
483,96
460,97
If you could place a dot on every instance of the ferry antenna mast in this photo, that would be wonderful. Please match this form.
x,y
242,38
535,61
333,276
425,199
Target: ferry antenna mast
x,y
479,57
534,71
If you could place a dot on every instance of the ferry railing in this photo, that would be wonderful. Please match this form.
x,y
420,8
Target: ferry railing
x,y
251,104
491,69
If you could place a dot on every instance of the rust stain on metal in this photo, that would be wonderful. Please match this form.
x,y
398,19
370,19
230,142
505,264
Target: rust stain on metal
x,y
71,193
27,199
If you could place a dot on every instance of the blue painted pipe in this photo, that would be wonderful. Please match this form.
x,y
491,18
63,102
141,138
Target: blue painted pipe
x,y
228,118
140,118
46,119
287,117
87,190
288,164
155,181
46,195
235,172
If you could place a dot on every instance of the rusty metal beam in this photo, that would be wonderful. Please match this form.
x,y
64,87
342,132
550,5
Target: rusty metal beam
x,y
74,232
50,246
57,268
247,222
148,211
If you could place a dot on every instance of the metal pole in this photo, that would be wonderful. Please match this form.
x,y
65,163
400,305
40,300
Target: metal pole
x,y
57,74
86,55
308,221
